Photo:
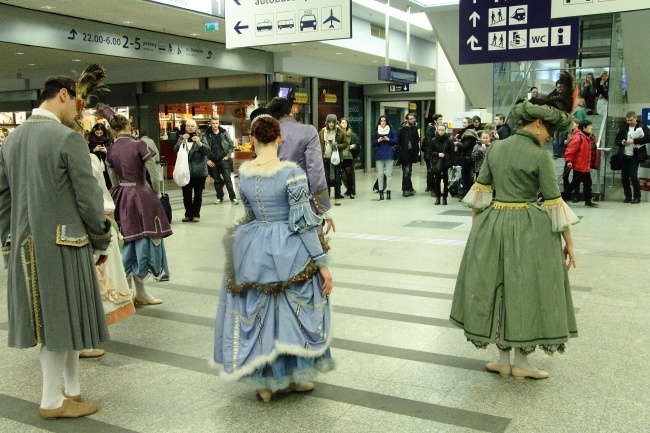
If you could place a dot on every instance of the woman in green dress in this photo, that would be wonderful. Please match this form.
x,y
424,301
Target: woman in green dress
x,y
513,285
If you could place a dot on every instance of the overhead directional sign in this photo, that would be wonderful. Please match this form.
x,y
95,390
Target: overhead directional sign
x,y
576,8
251,23
398,88
494,31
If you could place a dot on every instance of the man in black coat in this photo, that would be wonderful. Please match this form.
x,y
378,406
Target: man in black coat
x,y
408,143
503,130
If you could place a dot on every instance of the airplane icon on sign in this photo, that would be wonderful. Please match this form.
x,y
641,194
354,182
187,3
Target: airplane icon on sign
x,y
331,19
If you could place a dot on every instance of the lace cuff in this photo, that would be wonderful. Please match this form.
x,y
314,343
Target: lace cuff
x,y
560,214
478,197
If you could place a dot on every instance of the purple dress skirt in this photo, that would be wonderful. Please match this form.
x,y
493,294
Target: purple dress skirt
x,y
138,210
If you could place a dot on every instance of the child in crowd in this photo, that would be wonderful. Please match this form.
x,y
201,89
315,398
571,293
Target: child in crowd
x,y
478,154
491,129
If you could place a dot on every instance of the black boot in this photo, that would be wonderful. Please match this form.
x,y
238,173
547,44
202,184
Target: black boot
x,y
381,195
444,201
387,195
437,201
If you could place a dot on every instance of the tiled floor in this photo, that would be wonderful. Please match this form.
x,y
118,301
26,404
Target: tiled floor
x,y
401,366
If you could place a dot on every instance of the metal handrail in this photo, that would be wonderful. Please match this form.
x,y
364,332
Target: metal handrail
x,y
507,96
572,68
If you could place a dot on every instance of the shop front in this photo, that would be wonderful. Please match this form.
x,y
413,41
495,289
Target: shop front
x,y
233,117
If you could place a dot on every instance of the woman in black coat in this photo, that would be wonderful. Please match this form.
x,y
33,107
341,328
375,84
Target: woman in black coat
x,y
441,148
463,151
98,143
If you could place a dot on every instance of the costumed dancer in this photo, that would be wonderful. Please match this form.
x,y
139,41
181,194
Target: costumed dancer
x,y
138,209
273,319
117,296
513,285
51,219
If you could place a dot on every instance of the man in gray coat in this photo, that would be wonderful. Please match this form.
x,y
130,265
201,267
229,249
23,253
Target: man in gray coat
x,y
51,218
300,144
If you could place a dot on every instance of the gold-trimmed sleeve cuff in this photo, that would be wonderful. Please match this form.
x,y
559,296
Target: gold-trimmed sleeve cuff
x,y
561,215
478,197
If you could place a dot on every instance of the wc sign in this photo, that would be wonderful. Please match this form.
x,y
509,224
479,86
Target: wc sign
x,y
494,31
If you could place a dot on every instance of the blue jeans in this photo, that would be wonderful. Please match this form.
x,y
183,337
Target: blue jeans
x,y
407,169
221,175
337,177
558,143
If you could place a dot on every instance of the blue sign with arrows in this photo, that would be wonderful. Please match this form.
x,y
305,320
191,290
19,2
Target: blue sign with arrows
x,y
494,31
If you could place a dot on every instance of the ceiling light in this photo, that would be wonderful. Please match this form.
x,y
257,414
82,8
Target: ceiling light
x,y
76,60
339,53
418,19
128,22
432,3
19,54
375,61
194,34
49,8
31,64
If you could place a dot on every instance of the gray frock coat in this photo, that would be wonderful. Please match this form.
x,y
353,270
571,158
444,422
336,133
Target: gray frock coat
x,y
51,218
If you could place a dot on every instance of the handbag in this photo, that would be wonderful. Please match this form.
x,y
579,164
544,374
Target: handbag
x,y
641,153
335,159
438,165
356,151
182,167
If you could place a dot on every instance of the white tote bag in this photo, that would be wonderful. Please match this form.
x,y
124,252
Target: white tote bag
x,y
335,158
182,167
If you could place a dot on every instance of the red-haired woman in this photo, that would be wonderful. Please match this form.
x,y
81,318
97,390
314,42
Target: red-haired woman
x,y
273,320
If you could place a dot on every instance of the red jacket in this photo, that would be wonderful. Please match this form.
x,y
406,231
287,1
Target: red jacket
x,y
578,152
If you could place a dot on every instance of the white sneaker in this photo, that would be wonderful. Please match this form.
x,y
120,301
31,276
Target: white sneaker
x,y
218,201
234,201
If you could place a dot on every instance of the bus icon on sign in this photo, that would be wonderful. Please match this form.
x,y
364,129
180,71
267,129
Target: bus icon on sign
x,y
285,24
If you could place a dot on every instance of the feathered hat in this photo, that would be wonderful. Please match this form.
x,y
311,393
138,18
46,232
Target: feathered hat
x,y
89,82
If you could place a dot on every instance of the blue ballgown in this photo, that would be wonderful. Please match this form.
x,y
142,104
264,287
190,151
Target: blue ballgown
x,y
273,323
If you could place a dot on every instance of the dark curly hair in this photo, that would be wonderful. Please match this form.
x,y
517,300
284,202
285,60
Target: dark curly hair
x,y
266,130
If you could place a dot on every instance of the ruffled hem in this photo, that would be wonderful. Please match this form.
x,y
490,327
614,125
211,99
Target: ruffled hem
x,y
561,215
295,375
478,197
280,351
549,349
120,314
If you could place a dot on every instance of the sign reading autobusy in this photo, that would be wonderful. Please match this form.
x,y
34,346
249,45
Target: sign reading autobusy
x,y
493,31
270,22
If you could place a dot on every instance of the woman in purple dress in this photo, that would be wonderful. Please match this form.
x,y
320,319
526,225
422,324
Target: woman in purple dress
x,y
137,208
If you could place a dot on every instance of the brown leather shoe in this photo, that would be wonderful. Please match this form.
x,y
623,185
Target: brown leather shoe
x,y
76,398
95,353
69,409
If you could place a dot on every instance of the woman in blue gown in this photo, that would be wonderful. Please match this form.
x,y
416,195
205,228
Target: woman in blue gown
x,y
272,328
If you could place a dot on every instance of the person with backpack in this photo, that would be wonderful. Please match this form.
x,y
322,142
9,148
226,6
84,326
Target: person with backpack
x,y
578,158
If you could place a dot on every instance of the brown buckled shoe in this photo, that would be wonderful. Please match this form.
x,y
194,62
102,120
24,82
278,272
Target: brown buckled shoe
x,y
69,409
